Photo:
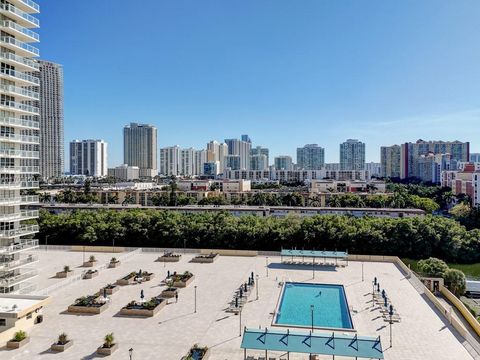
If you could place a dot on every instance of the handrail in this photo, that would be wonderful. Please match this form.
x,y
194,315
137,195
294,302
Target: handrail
x,y
20,75
21,91
22,14
19,59
20,122
20,106
19,28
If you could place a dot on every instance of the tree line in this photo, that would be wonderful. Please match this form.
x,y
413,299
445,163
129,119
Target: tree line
x,y
416,237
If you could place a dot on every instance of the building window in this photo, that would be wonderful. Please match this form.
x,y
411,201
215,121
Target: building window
x,y
3,322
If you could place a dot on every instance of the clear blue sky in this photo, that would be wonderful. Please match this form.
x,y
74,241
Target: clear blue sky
x,y
285,72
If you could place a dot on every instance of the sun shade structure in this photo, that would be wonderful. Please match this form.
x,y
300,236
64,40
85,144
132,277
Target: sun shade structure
x,y
292,253
332,344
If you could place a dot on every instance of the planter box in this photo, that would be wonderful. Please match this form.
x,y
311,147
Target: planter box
x,y
148,277
88,309
114,264
169,258
90,275
110,291
204,357
90,263
63,274
17,344
204,260
107,351
125,282
182,284
143,312
167,294
60,347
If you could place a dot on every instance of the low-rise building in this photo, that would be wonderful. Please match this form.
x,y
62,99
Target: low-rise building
x,y
125,172
466,181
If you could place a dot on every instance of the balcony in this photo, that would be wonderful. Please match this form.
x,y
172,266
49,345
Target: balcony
x,y
28,6
19,246
21,231
19,61
19,170
7,281
19,77
19,92
30,199
19,154
19,107
21,48
30,139
16,264
20,216
21,17
18,200
22,123
20,32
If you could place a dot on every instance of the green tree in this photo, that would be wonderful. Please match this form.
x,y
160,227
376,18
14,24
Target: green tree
x,y
433,267
455,281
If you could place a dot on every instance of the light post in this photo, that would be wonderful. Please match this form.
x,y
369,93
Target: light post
x,y
313,266
240,313
390,312
130,353
195,299
266,266
46,242
184,246
256,285
311,309
84,254
362,271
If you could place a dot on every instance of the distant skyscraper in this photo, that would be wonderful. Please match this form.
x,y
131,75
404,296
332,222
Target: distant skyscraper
x,y
217,152
258,162
233,162
187,162
258,150
373,168
170,161
475,157
352,155
51,148
240,148
283,162
246,138
140,148
200,158
88,157
332,166
390,161
310,157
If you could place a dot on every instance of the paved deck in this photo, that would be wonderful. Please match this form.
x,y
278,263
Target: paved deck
x,y
422,333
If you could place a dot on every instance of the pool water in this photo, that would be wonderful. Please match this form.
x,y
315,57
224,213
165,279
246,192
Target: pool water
x,y
330,307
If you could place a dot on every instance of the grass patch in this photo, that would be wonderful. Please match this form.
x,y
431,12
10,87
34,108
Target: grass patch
x,y
471,271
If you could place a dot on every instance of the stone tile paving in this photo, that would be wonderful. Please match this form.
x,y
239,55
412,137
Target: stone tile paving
x,y
421,334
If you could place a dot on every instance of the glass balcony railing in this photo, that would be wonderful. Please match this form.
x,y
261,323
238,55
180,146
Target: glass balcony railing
x,y
19,169
20,216
14,105
20,138
29,199
26,16
7,280
12,121
14,264
20,44
20,75
22,154
21,231
21,29
19,245
7,56
18,200
29,5
16,90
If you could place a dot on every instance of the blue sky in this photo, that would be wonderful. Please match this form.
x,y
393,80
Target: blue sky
x,y
285,72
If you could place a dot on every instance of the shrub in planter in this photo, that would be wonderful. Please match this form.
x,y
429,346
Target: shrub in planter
x,y
91,261
182,280
90,274
110,289
114,262
20,338
62,344
108,346
65,273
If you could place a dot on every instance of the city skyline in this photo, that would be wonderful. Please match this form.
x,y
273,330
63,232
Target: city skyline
x,y
209,76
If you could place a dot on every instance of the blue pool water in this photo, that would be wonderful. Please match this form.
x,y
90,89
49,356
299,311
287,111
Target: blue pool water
x,y
330,306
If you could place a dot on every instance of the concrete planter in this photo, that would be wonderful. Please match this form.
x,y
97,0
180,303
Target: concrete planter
x,y
88,309
110,291
175,258
114,264
182,284
90,275
205,356
12,344
169,293
124,282
143,312
148,277
107,351
60,347
63,274
204,259
90,263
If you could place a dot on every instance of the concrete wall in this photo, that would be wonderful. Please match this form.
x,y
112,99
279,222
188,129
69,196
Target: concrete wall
x,y
462,308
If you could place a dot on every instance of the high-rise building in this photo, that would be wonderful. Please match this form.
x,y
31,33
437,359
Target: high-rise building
x,y
373,168
170,161
51,160
18,144
233,162
210,168
240,148
332,166
352,155
187,162
200,158
258,150
88,157
475,157
140,148
310,157
283,162
217,152
411,153
390,161
258,162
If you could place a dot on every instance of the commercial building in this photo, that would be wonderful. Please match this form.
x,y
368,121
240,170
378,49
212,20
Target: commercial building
x,y
88,157
352,155
140,148
390,160
19,142
51,117
240,148
310,157
283,162
125,172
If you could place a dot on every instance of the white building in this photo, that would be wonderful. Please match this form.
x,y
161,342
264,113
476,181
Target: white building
x,y
296,175
240,148
216,152
88,157
140,148
170,161
19,143
373,168
352,155
187,162
310,157
125,172
200,157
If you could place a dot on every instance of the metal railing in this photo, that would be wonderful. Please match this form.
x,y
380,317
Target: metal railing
x,y
22,14
19,59
20,75
21,231
12,121
20,245
31,4
22,138
9,265
19,28
12,280
20,91
19,106
25,154
20,44
19,169
22,215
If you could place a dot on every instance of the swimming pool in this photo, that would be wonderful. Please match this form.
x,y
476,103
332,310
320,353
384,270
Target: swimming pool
x,y
330,306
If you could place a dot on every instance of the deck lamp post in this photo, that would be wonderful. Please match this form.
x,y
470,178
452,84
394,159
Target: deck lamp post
x,y
266,266
130,353
46,242
362,271
184,246
390,312
311,309
256,285
240,313
195,298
